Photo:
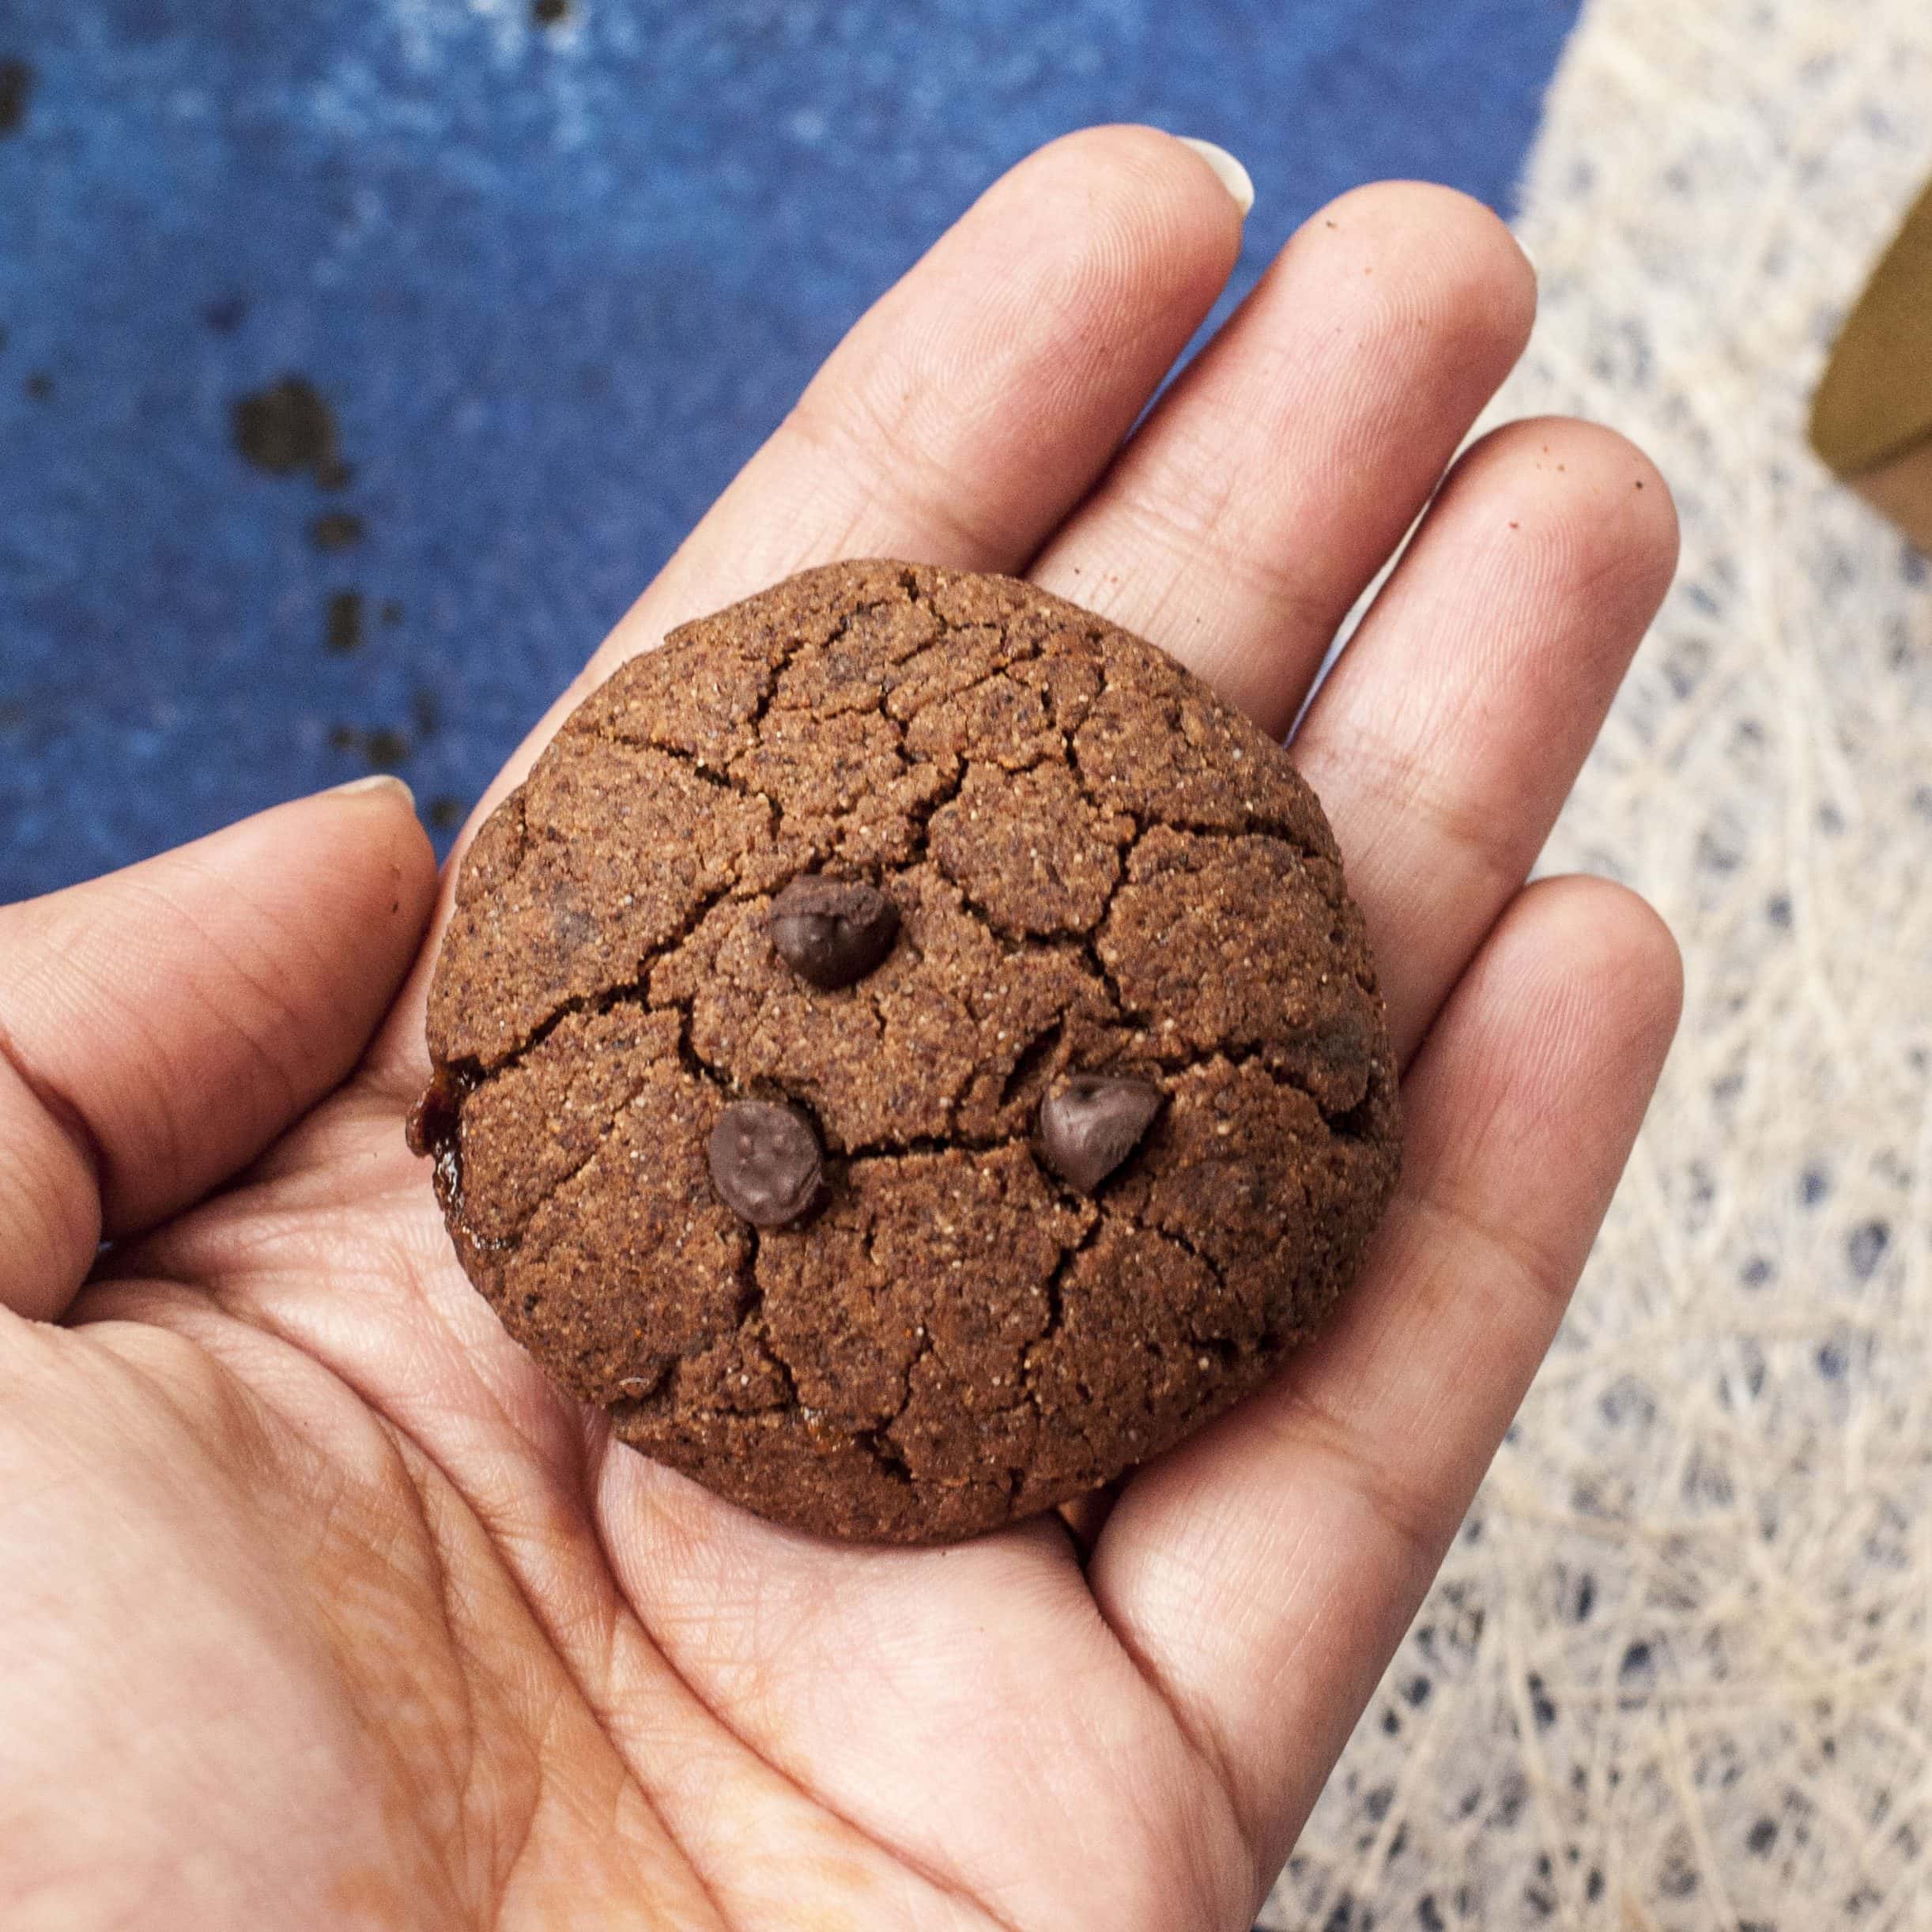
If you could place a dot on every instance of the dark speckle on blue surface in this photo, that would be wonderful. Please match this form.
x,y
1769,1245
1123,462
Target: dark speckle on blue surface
x,y
287,427
345,622
336,529
16,89
553,268
226,314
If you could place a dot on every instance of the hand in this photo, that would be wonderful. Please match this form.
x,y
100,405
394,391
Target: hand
x,y
320,1608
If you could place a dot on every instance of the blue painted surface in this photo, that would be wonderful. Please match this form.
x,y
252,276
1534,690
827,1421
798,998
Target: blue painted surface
x,y
557,282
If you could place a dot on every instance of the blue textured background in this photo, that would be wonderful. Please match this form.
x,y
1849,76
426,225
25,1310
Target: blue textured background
x,y
555,281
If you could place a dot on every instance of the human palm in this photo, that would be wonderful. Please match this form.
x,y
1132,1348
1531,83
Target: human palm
x,y
321,1607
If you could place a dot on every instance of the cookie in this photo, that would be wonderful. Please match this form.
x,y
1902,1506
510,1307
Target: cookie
x,y
906,1052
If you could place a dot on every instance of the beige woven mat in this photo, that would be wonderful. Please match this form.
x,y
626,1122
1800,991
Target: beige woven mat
x,y
1676,1672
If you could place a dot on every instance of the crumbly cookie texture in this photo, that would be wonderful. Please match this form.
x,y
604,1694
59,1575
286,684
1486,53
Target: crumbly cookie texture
x,y
1105,880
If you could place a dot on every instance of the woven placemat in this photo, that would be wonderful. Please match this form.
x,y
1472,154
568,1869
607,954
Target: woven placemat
x,y
1676,1672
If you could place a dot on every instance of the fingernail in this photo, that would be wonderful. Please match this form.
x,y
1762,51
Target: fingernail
x,y
375,782
1233,175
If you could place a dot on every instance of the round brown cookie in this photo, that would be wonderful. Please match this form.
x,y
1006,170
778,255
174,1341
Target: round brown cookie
x,y
1002,977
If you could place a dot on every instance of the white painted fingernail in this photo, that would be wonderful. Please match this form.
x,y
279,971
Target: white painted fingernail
x,y
374,782
1232,175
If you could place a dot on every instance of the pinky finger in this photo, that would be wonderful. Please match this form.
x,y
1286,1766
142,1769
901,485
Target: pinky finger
x,y
1264,1572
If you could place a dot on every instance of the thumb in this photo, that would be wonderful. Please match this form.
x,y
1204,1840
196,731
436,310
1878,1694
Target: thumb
x,y
159,1026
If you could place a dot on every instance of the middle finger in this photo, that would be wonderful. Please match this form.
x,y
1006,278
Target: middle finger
x,y
1271,483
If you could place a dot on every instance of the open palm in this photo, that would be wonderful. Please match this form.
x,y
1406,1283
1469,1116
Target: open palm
x,y
321,1609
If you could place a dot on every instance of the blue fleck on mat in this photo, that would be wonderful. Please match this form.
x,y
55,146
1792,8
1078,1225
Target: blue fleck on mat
x,y
517,285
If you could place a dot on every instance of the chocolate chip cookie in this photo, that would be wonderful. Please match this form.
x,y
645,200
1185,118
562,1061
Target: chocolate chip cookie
x,y
907,1053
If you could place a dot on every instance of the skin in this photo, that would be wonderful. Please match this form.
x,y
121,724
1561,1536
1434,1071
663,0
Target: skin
x,y
320,1608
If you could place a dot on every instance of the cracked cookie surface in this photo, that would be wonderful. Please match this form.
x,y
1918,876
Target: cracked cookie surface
x,y
1098,868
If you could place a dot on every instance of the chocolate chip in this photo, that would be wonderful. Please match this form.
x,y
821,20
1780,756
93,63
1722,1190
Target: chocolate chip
x,y
832,931
1089,1124
765,1162
433,1120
